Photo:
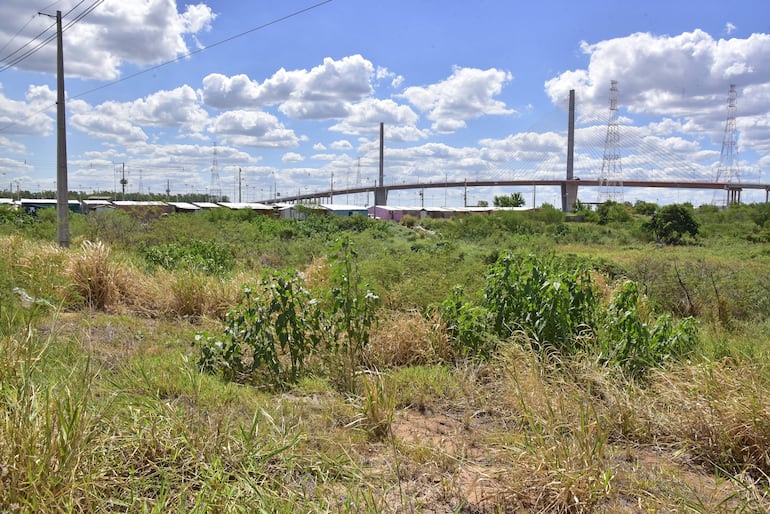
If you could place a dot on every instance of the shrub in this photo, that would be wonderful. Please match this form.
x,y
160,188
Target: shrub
x,y
284,319
611,211
467,326
672,222
633,345
93,275
281,319
193,255
552,303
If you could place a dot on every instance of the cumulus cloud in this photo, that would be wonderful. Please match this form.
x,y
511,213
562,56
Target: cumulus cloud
x,y
467,94
124,122
292,157
30,117
665,74
254,129
146,32
364,118
324,92
341,145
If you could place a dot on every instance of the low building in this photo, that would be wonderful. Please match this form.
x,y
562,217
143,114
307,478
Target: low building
x,y
344,210
32,205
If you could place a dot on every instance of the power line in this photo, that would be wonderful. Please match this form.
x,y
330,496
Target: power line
x,y
179,58
14,62
200,50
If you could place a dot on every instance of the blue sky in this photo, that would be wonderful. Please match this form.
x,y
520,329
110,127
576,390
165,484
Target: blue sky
x,y
465,89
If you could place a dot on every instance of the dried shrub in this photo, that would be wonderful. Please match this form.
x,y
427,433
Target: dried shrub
x,y
405,339
718,414
93,275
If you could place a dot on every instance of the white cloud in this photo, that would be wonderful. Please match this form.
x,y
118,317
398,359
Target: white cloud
x,y
364,118
146,32
324,92
729,28
292,157
30,117
342,144
467,94
665,74
124,122
254,129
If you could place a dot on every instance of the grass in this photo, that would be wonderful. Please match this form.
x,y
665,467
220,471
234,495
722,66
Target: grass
x,y
104,408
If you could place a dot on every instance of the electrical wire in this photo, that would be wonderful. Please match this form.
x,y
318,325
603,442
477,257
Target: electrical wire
x,y
200,50
51,37
179,58
22,29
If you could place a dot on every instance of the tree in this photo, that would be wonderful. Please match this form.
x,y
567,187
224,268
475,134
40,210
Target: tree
x,y
672,222
645,208
482,203
512,200
611,211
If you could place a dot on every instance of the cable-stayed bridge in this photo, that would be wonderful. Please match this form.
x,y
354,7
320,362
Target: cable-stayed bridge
x,y
587,157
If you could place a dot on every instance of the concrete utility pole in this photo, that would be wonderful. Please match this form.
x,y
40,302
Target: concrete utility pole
x,y
62,191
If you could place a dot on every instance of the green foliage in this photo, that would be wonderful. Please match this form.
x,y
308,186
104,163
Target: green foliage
x,y
551,302
467,325
611,211
549,214
194,255
352,313
633,345
513,200
671,223
645,208
282,319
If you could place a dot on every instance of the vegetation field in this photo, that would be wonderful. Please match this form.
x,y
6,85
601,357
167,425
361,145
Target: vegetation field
x,y
616,360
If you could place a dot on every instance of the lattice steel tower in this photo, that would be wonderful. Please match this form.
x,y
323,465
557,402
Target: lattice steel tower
x,y
611,177
215,188
728,170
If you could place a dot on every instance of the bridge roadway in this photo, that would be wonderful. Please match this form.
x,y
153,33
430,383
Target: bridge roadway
x,y
673,184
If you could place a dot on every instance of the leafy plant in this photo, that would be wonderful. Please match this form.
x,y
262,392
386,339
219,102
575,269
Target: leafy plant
x,y
671,223
467,325
352,311
634,345
554,304
284,320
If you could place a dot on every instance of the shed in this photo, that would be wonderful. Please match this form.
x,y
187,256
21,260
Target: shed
x,y
344,210
32,205
184,207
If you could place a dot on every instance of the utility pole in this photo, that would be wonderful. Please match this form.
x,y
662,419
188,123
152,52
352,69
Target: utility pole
x,y
123,180
62,191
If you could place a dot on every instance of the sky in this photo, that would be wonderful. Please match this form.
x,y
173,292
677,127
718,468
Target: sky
x,y
282,97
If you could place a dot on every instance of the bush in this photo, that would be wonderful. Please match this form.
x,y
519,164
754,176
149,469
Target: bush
x,y
552,303
630,343
194,255
673,222
467,326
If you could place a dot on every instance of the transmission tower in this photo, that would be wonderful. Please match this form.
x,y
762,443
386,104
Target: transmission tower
x,y
611,177
215,189
728,169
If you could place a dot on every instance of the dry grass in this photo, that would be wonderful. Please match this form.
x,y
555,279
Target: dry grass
x,y
405,339
718,414
94,275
